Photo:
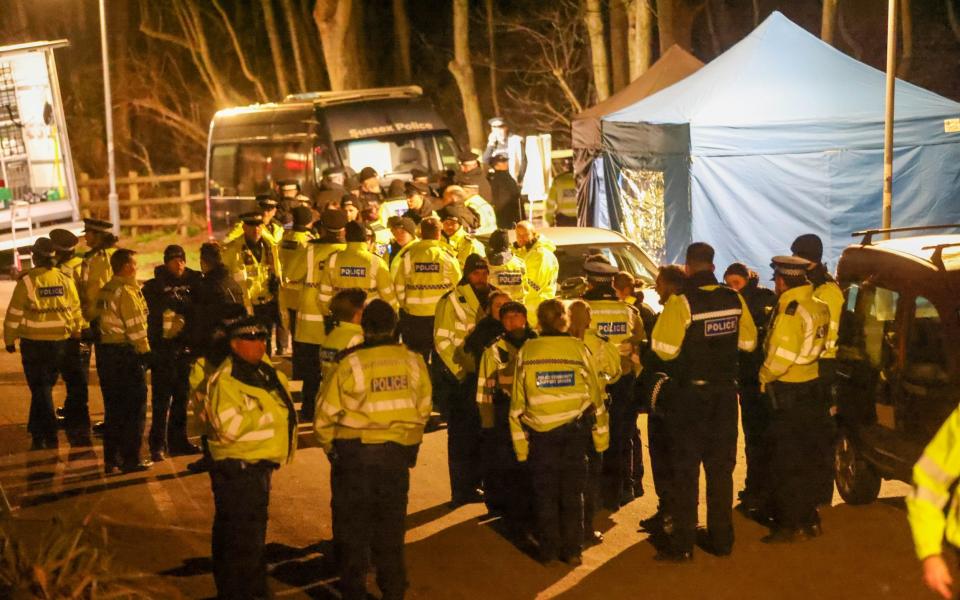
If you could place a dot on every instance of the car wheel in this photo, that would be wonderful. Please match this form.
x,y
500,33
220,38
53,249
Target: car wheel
x,y
857,481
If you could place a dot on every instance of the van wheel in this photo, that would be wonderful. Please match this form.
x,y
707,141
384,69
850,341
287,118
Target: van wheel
x,y
857,481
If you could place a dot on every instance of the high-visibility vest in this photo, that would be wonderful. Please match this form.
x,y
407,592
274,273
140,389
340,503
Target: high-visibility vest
x,y
562,198
355,267
457,315
123,314
621,324
510,277
797,338
495,374
427,272
488,217
341,337
556,382
95,271
376,394
461,245
395,261
248,422
542,270
607,356
272,232
309,315
44,307
293,263
254,276
933,505
831,294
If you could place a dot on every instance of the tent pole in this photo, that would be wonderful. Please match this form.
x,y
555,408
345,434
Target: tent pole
x,y
888,119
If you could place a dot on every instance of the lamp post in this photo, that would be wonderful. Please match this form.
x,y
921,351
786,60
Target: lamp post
x,y
888,119
113,203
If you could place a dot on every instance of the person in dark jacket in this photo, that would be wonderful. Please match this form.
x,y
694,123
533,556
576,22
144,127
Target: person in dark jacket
x,y
505,193
473,174
169,296
215,299
754,412
419,206
488,328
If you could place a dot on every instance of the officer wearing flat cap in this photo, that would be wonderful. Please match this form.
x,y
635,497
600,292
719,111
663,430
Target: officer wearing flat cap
x,y
251,431
699,336
75,367
798,433
502,141
419,202
95,269
404,234
309,332
254,263
455,237
44,312
620,323
272,230
472,173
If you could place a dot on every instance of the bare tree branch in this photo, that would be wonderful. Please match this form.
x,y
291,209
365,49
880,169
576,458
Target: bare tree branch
x,y
244,67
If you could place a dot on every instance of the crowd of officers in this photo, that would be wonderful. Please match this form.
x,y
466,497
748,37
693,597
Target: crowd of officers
x,y
424,323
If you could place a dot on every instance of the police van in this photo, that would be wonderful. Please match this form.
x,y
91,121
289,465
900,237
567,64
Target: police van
x,y
250,148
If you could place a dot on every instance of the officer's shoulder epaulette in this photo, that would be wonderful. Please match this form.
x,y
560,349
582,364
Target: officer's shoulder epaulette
x,y
792,308
347,352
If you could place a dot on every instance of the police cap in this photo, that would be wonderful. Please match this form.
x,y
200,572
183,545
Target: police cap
x,y
252,218
247,328
475,262
468,156
289,185
598,268
301,216
405,223
497,122
790,266
63,240
417,173
333,219
97,225
454,212
267,202
43,247
411,188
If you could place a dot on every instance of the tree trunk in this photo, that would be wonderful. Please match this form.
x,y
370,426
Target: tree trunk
x,y
906,33
291,18
828,22
462,71
401,40
338,22
640,39
665,10
619,56
18,22
952,18
593,18
492,49
276,50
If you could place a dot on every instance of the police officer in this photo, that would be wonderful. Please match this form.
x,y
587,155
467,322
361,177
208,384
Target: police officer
x,y
455,237
507,271
698,335
310,327
75,367
798,434
355,267
254,263
370,421
252,431
506,481
419,204
561,209
472,174
43,313
427,272
169,297
343,329
620,323
272,228
555,407
477,204
453,374
215,296
123,354
404,232
541,266
95,269
293,261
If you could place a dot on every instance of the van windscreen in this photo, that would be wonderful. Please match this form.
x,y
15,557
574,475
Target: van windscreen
x,y
246,168
395,155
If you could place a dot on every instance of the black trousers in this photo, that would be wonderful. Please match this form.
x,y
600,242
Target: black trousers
x,y
171,387
369,485
124,391
306,367
798,437
558,468
755,418
458,401
75,370
417,333
593,490
506,481
269,317
618,460
661,463
41,365
241,495
828,381
702,425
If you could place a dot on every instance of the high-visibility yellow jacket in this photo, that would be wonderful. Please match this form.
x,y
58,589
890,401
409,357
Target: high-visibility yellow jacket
x,y
457,314
95,272
934,488
498,366
620,323
310,328
248,420
556,382
200,372
796,338
562,198
256,277
355,267
44,307
72,267
123,314
272,232
396,262
376,394
341,337
542,271
831,294
461,245
607,356
427,272
510,277
488,217
293,264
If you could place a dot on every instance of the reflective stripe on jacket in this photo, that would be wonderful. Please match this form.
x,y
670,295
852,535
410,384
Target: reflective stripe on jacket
x,y
488,217
341,337
510,278
562,198
796,338
355,267
542,270
122,311
44,307
257,277
309,316
457,315
428,271
831,294
620,323
293,264
933,506
607,356
95,271
461,245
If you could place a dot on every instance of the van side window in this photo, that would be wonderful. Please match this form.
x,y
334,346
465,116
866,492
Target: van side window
x,y
448,152
925,343
868,325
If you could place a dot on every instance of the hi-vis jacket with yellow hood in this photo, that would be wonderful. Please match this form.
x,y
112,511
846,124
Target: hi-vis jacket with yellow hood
x,y
427,272
457,315
355,267
461,244
44,307
310,328
542,270
797,337
123,314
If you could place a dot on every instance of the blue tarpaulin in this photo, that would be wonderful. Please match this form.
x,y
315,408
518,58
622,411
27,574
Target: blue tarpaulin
x,y
783,135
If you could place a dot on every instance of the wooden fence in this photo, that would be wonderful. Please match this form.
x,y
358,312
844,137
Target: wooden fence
x,y
147,201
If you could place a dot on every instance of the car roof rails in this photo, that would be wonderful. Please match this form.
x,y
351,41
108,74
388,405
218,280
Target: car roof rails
x,y
344,96
869,233
937,256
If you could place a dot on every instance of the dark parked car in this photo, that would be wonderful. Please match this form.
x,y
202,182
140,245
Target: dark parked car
x,y
898,355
